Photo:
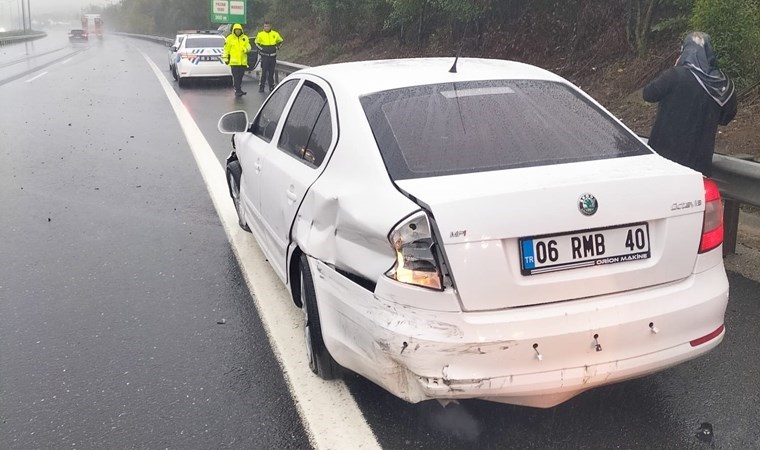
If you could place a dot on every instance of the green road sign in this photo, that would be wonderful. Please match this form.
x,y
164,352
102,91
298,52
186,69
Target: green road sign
x,y
228,11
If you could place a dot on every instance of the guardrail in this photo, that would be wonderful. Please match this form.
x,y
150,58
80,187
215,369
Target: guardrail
x,y
161,39
5,40
738,180
739,183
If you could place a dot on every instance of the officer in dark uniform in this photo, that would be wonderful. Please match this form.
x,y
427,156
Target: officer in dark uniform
x,y
268,41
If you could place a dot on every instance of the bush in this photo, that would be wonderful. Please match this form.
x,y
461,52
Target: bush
x,y
734,26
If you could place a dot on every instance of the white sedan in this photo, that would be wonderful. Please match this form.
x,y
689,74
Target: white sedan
x,y
488,231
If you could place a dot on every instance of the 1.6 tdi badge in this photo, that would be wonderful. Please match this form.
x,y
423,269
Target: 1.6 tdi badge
x,y
588,205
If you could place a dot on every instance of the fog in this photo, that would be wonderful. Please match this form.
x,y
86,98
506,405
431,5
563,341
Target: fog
x,y
44,10
51,6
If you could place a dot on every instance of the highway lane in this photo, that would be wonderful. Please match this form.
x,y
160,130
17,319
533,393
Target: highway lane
x,y
23,58
664,410
116,275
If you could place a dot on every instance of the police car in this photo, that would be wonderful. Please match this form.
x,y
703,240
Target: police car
x,y
198,54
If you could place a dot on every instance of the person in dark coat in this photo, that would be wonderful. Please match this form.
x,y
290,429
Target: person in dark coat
x,y
694,97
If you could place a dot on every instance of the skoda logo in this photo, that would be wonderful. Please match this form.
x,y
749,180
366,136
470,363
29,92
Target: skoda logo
x,y
588,204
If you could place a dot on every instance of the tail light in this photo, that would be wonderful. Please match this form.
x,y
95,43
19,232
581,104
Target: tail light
x,y
416,261
712,226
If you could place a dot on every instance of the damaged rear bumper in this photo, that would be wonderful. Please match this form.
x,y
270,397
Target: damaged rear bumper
x,y
535,356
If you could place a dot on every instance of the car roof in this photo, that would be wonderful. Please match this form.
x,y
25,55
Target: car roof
x,y
366,77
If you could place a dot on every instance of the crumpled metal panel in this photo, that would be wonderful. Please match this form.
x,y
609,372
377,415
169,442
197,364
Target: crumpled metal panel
x,y
349,211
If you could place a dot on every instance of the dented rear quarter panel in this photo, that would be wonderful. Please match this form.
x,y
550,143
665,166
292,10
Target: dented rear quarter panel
x,y
348,212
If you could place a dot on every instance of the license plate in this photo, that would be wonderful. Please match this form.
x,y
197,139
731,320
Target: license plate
x,y
550,253
209,58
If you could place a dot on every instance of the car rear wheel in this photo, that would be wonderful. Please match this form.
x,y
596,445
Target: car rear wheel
x,y
233,181
182,81
320,360
174,73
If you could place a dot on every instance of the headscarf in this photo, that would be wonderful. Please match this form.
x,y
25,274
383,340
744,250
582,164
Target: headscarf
x,y
698,56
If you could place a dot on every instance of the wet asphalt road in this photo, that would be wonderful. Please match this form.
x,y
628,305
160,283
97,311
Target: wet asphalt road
x,y
116,272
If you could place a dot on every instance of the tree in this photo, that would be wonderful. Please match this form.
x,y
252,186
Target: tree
x,y
734,26
645,16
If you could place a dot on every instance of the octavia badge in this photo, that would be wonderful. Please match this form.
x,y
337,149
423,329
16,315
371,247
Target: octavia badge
x,y
588,204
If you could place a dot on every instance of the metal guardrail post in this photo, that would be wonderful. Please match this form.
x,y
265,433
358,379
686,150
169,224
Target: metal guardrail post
x,y
730,226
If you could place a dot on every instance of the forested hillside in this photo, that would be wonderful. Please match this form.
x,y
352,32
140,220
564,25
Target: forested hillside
x,y
609,48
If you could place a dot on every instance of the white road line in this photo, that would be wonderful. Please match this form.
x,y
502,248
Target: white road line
x,y
65,61
34,78
329,413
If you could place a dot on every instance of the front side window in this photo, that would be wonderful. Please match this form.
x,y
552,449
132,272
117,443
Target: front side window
x,y
265,123
476,126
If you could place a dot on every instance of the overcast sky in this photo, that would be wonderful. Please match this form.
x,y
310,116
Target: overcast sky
x,y
51,6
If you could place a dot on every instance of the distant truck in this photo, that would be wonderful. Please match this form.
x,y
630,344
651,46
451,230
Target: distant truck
x,y
93,24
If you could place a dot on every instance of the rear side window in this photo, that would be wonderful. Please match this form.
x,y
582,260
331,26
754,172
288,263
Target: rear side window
x,y
321,138
478,126
205,42
307,133
265,124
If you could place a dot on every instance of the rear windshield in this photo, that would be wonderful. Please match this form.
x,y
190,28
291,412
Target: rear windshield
x,y
205,42
477,126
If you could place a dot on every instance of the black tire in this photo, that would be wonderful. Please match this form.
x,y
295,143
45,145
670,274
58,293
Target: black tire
x,y
181,81
320,360
174,73
229,82
233,182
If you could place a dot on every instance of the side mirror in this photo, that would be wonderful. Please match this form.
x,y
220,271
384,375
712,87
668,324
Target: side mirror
x,y
174,48
233,122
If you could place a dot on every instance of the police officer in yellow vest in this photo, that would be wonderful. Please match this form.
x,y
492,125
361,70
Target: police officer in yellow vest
x,y
268,41
236,48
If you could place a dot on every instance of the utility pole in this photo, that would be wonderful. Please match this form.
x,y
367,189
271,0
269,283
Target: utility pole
x,y
23,16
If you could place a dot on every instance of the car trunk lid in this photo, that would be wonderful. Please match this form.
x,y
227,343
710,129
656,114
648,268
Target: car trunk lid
x,y
534,235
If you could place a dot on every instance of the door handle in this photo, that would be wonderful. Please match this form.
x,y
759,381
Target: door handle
x,y
292,197
257,166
